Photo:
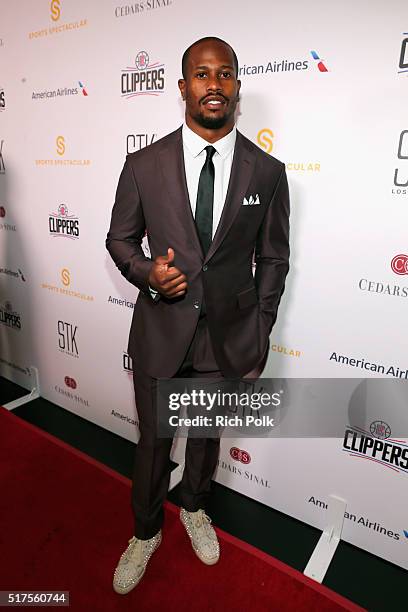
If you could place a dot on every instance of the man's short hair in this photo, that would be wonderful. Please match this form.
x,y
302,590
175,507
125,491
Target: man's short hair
x,y
197,42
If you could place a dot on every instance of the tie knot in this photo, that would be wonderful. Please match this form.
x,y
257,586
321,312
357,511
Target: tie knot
x,y
210,152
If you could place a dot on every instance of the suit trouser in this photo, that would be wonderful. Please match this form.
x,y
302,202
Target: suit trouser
x,y
151,472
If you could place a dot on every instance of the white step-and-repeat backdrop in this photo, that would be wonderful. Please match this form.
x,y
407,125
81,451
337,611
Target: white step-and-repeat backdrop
x,y
324,89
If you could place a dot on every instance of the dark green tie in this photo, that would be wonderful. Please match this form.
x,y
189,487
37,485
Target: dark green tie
x,y
205,201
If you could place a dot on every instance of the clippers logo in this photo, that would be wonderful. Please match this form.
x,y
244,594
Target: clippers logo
x,y
145,80
240,455
2,166
264,139
70,382
84,92
63,224
380,430
376,445
142,60
399,181
55,10
399,264
2,100
403,60
60,142
65,277
9,317
320,65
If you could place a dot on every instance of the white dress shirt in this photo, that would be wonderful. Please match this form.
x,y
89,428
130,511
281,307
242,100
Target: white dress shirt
x,y
194,158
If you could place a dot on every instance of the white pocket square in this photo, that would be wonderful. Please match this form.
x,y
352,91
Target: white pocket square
x,y
251,201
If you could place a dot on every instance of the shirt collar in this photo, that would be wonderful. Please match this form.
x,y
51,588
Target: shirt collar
x,y
195,144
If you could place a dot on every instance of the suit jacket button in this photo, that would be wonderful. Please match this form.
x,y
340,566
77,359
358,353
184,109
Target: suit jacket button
x,y
196,304
205,268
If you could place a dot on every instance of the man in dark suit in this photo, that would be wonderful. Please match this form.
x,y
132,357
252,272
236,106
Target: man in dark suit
x,y
211,203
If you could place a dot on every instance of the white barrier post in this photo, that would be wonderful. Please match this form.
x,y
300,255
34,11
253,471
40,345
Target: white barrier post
x,y
34,393
329,540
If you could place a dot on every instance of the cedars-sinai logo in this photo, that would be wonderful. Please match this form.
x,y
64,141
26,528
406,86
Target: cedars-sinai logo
x,y
70,382
399,264
240,455
144,78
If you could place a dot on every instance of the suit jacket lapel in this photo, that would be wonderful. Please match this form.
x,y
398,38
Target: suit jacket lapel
x,y
172,166
242,168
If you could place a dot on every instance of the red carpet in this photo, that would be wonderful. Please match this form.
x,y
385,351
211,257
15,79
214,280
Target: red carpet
x,y
66,518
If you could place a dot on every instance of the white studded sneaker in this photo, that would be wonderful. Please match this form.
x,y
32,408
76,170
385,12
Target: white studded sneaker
x,y
202,535
133,562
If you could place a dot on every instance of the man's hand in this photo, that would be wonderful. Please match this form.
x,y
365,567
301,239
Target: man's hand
x,y
166,278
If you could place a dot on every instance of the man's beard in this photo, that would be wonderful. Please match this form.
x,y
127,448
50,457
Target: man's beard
x,y
212,122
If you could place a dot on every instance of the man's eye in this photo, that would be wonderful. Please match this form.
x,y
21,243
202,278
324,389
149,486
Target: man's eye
x,y
226,75
201,75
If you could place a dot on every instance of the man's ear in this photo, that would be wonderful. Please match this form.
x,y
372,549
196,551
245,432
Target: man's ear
x,y
239,86
182,88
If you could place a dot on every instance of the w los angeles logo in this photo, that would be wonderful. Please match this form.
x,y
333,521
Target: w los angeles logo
x,y
403,59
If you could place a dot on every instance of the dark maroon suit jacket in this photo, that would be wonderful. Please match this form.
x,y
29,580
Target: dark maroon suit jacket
x,y
241,309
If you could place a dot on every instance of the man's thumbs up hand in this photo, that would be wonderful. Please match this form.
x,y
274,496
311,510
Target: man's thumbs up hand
x,y
165,278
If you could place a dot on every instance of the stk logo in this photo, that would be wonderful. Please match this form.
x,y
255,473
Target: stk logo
x,y
320,65
66,337
405,533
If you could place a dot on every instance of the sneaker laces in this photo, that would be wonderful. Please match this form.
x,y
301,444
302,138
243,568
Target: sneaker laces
x,y
135,547
202,521
201,518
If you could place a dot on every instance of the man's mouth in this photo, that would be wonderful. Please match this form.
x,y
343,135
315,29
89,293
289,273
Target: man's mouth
x,y
214,102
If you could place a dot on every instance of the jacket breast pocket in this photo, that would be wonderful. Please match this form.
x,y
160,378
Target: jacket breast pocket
x,y
248,297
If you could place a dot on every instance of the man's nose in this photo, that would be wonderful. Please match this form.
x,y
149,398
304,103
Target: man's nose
x,y
214,83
